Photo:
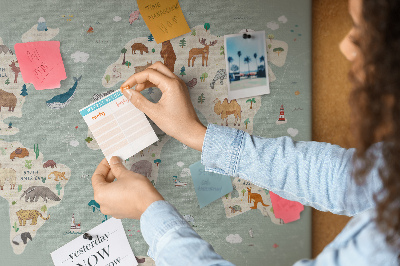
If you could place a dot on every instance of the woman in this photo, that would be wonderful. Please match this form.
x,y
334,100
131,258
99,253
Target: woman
x,y
362,182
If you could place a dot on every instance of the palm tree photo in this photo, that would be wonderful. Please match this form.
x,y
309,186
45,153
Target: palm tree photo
x,y
247,60
239,53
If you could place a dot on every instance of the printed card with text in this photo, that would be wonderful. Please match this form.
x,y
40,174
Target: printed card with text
x,y
118,126
108,246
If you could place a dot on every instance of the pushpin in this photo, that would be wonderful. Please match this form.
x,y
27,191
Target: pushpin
x,y
246,36
87,236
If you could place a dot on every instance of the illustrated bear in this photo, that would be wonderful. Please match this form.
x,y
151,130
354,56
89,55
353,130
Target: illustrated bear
x,y
7,99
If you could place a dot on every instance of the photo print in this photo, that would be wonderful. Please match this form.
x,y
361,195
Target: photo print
x,y
246,63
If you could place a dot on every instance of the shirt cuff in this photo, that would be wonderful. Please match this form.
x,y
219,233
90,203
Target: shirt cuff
x,y
221,151
158,219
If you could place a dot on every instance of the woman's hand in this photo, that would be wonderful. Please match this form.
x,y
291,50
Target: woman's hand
x,y
128,196
174,113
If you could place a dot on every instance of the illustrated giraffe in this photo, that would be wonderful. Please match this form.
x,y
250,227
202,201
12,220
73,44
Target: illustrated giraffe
x,y
15,69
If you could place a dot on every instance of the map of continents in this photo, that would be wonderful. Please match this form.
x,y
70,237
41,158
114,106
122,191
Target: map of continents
x,y
30,185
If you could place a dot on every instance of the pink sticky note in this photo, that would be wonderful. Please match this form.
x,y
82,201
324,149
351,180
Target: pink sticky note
x,y
41,64
284,209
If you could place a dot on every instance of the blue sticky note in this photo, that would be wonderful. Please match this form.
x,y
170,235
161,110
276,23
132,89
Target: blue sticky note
x,y
209,186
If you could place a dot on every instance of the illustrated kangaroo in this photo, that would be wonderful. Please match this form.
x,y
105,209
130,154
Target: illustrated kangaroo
x,y
203,52
15,69
256,197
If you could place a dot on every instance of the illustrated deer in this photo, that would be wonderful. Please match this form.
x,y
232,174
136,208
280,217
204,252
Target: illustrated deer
x,y
15,69
203,52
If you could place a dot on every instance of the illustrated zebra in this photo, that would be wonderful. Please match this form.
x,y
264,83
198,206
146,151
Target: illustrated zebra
x,y
221,75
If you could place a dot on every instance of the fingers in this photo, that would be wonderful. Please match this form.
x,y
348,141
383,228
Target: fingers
x,y
117,168
159,80
140,102
100,174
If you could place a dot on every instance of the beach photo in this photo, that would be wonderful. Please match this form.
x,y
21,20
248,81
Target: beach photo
x,y
246,63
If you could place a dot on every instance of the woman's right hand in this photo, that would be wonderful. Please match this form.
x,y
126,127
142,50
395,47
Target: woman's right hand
x,y
174,113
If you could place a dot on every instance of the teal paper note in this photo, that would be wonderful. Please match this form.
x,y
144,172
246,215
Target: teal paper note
x,y
209,186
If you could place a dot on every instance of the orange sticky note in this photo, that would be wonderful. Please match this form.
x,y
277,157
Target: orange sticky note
x,y
41,64
164,18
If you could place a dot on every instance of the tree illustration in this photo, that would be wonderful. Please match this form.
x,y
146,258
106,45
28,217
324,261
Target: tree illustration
x,y
153,50
24,90
271,37
255,58
207,26
7,81
251,101
44,208
183,71
150,38
269,46
239,53
157,161
127,63
107,78
36,150
88,139
194,32
10,125
222,49
247,61
278,50
230,60
262,59
58,187
123,51
243,191
234,68
203,77
182,42
201,98
247,121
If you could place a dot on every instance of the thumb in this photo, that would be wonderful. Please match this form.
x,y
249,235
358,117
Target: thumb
x,y
138,100
117,168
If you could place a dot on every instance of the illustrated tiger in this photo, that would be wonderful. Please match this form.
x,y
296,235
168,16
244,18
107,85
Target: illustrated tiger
x,y
58,175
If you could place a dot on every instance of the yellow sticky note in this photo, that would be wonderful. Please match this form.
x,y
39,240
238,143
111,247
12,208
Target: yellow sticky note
x,y
164,18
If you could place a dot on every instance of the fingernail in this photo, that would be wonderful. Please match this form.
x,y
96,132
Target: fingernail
x,y
115,160
128,94
125,88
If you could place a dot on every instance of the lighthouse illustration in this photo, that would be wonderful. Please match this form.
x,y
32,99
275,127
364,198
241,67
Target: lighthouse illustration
x,y
75,228
281,120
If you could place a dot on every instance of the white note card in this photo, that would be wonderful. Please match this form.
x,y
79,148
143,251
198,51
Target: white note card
x,y
118,126
108,247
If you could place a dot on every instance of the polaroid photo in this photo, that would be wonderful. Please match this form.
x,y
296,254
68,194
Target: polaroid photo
x,y
246,63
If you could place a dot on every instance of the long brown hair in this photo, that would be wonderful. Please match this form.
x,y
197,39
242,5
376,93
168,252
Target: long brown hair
x,y
375,101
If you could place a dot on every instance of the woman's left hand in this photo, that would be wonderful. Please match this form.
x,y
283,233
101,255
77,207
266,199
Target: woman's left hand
x,y
126,197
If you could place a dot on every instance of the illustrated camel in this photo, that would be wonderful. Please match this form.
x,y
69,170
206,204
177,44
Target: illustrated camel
x,y
15,69
225,109
203,52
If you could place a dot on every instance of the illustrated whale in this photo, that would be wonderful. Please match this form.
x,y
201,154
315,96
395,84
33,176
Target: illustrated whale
x,y
62,100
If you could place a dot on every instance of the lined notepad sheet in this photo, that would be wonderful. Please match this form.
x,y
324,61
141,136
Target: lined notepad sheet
x,y
118,126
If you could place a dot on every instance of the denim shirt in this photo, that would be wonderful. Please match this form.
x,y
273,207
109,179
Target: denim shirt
x,y
313,173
